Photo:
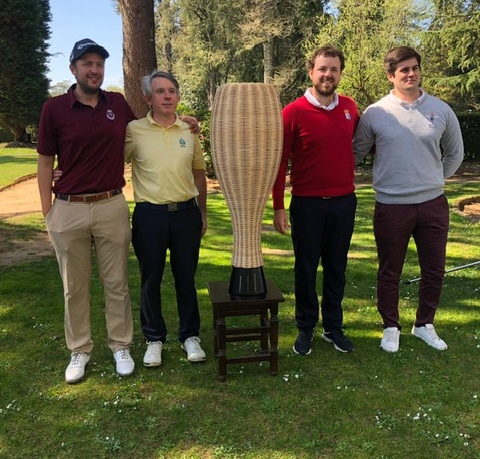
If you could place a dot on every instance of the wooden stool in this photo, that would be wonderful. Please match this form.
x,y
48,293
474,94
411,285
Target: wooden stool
x,y
267,331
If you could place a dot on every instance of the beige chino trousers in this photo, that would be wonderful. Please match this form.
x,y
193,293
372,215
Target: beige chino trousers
x,y
76,230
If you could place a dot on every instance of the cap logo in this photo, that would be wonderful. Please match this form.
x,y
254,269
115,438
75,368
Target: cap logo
x,y
82,45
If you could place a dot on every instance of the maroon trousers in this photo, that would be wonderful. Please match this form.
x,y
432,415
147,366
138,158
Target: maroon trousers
x,y
393,224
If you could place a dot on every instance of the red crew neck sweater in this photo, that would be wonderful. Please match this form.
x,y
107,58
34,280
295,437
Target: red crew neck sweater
x,y
318,143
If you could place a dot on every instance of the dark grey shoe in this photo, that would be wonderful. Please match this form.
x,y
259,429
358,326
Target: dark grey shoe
x,y
338,339
303,343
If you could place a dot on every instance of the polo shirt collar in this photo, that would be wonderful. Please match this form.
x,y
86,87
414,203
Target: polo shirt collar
x,y
316,103
152,121
72,99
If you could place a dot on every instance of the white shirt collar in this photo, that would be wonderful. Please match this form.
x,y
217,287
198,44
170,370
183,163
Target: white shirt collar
x,y
413,104
311,98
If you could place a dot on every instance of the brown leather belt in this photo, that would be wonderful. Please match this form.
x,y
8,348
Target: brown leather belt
x,y
88,197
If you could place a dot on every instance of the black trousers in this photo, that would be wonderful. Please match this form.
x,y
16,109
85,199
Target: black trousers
x,y
154,230
321,230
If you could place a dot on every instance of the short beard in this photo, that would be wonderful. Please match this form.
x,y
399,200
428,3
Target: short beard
x,y
87,89
325,93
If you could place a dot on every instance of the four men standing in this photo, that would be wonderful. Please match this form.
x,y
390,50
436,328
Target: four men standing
x,y
417,143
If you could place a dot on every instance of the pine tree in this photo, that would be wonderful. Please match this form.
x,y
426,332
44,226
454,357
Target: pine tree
x,y
452,46
23,74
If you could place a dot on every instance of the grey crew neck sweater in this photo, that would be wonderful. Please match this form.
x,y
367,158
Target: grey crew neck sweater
x,y
417,146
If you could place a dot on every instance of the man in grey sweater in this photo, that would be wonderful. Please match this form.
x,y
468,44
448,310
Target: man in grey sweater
x,y
417,144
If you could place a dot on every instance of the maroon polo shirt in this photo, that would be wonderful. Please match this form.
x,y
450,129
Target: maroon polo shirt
x,y
87,141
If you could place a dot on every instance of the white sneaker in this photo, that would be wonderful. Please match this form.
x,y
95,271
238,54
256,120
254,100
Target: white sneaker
x,y
153,355
193,349
429,335
391,339
76,368
125,364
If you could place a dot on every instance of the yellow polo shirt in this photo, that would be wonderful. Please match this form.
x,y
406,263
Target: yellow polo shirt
x,y
162,160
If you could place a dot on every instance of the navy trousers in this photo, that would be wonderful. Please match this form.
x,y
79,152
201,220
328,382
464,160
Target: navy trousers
x,y
154,231
321,230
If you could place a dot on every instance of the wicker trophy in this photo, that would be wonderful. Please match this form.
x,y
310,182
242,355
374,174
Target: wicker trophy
x,y
247,139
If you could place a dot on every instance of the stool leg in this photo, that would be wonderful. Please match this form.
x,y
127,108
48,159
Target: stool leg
x,y
215,331
265,324
222,344
274,339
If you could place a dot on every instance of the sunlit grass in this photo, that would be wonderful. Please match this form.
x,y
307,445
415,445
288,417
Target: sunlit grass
x,y
15,163
369,404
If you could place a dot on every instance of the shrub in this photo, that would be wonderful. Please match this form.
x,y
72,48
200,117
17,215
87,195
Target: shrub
x,y
470,125
206,145
5,135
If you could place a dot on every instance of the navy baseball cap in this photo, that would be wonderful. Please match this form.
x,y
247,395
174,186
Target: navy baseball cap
x,y
82,46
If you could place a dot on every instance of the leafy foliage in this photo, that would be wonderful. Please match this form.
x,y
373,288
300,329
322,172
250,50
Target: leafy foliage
x,y
452,42
470,125
23,47
208,43
59,88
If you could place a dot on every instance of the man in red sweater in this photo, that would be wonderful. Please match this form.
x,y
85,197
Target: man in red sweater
x,y
318,132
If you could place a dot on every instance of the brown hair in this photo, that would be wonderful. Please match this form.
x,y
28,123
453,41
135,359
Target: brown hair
x,y
397,55
329,51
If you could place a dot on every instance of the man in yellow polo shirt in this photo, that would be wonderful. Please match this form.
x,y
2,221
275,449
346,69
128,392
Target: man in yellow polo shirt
x,y
170,192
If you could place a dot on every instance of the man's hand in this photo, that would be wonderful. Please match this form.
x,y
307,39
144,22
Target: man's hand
x,y
57,173
280,221
192,122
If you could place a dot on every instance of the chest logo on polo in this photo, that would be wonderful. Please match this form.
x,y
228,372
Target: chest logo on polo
x,y
432,117
347,114
110,115
182,143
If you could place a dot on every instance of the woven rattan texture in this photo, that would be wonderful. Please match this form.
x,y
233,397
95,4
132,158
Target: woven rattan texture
x,y
246,139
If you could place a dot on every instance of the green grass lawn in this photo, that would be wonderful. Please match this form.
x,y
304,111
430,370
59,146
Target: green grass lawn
x,y
417,403
16,163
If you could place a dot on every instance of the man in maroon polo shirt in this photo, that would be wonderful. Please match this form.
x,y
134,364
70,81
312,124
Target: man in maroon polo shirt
x,y
85,130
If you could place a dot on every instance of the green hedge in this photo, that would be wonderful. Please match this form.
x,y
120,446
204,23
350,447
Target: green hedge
x,y
470,125
5,135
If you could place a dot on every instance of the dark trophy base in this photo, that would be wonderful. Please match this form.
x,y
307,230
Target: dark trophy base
x,y
247,283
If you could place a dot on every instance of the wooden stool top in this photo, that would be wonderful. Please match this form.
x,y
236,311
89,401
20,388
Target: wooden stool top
x,y
219,295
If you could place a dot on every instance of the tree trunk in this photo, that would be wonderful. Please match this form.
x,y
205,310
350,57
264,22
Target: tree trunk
x,y
139,58
19,133
268,61
169,56
212,88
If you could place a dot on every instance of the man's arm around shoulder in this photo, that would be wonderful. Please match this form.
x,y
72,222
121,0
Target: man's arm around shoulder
x,y
201,183
452,143
44,178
